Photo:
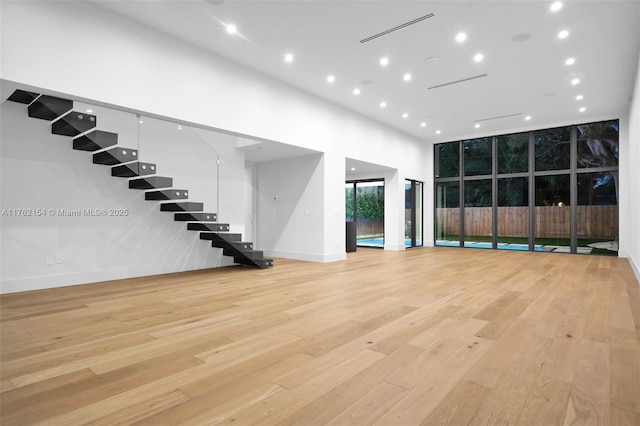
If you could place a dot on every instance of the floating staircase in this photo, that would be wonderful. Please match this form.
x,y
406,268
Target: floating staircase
x,y
125,164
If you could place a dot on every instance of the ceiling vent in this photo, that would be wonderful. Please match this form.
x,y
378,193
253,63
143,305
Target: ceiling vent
x,y
498,117
399,27
457,81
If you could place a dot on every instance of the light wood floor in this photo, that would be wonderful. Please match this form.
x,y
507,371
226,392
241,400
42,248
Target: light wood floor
x,y
427,336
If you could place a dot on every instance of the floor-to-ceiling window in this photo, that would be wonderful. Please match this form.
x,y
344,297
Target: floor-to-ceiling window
x,y
512,155
552,214
597,186
364,202
413,213
477,161
553,190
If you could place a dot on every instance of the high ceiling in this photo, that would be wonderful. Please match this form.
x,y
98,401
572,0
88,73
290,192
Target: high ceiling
x,y
523,74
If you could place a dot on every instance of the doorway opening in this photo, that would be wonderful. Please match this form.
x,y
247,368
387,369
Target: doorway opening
x,y
364,205
413,213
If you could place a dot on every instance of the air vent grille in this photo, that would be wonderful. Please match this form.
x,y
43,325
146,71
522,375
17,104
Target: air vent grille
x,y
498,117
399,27
457,81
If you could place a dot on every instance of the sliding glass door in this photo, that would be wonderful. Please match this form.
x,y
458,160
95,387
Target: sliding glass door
x,y
365,206
413,213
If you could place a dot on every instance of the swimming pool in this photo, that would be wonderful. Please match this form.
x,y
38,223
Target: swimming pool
x,y
379,243
488,245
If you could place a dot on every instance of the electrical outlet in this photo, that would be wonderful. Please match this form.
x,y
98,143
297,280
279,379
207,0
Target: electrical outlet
x,y
49,260
59,258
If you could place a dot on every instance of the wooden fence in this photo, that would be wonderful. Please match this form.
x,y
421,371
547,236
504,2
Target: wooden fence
x,y
369,227
551,221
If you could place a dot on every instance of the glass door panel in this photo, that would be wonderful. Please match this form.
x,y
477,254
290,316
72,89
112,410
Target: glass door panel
x,y
408,212
413,213
478,217
349,201
513,213
447,232
597,216
552,213
418,214
370,213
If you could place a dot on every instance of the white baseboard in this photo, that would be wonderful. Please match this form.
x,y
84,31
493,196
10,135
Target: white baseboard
x,y
636,267
307,257
395,247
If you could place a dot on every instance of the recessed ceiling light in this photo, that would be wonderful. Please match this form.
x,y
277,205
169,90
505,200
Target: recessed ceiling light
x,y
288,58
89,111
477,125
528,117
356,91
437,132
579,97
383,104
353,169
423,124
575,81
331,78
583,109
563,34
179,127
570,61
405,115
479,57
555,6
406,77
231,29
384,61
460,37
140,121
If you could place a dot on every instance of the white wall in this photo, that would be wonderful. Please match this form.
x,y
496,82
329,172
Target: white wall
x,y
632,208
40,170
291,213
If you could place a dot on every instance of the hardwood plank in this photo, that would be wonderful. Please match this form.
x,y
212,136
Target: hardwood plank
x,y
5,385
495,308
511,392
547,403
142,410
437,381
370,407
625,374
321,410
280,405
502,354
210,397
382,338
620,417
596,328
565,350
551,319
459,406
501,322
84,393
633,294
590,400
397,340
619,314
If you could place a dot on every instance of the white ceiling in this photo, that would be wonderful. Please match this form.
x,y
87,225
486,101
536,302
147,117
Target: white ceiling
x,y
522,77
